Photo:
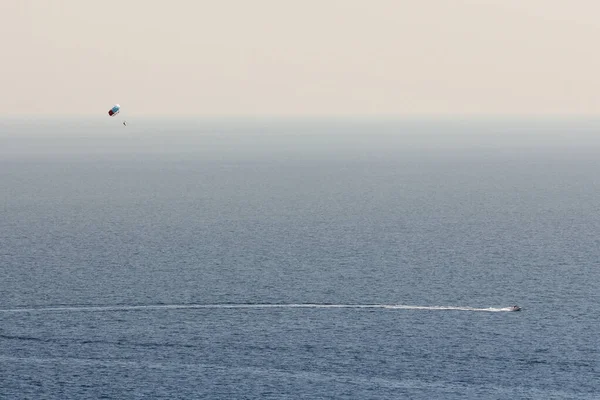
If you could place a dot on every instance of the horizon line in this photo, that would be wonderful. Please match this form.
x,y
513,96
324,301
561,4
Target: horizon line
x,y
308,116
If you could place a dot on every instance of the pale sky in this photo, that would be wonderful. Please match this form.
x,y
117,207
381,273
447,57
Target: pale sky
x,y
301,57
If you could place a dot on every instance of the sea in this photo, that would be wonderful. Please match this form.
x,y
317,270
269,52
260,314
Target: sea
x,y
299,258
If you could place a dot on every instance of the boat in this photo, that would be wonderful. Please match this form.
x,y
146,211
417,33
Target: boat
x,y
515,308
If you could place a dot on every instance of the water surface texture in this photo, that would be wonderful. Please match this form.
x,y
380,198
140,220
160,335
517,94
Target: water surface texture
x,y
286,259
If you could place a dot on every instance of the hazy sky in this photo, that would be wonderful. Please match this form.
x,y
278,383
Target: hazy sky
x,y
308,57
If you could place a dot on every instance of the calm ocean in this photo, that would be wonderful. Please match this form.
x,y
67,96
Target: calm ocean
x,y
299,259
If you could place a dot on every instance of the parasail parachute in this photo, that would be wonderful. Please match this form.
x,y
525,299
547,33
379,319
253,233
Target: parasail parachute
x,y
114,110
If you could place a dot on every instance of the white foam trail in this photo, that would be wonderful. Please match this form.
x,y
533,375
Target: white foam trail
x,y
243,306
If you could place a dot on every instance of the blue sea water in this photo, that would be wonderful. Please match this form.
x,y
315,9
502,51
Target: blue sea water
x,y
287,259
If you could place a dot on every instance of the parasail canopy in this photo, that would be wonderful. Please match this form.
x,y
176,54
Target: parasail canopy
x,y
114,110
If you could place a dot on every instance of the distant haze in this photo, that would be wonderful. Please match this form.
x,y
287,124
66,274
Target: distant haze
x,y
310,57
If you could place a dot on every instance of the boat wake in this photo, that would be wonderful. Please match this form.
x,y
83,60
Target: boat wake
x,y
125,308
